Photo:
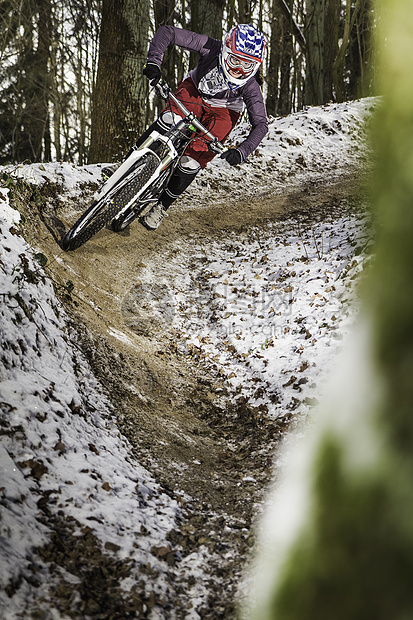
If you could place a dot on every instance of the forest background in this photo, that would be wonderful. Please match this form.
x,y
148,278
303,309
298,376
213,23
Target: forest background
x,y
71,70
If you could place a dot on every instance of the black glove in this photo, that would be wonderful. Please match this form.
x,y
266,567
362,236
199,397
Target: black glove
x,y
233,156
152,72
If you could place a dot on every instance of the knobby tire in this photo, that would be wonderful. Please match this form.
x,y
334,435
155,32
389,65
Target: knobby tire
x,y
121,222
74,239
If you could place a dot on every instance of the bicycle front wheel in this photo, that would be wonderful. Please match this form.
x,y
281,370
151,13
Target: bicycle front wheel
x,y
98,216
148,198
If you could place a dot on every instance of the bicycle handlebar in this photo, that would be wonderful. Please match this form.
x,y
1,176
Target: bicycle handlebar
x,y
164,91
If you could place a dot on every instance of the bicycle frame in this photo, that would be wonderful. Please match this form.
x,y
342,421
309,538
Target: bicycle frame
x,y
118,179
141,178
165,92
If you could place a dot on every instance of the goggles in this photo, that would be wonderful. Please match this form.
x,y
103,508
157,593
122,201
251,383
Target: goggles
x,y
240,64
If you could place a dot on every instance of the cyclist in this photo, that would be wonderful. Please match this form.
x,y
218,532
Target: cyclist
x,y
224,80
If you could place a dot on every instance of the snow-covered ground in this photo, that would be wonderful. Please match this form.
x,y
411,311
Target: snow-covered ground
x,y
59,449
308,144
270,308
273,312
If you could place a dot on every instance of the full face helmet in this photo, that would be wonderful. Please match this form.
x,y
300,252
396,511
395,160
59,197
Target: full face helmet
x,y
242,53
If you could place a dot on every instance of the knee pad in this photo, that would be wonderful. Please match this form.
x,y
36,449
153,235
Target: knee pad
x,y
189,165
183,176
167,119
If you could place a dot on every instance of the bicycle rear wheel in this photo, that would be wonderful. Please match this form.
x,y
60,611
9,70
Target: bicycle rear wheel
x,y
95,218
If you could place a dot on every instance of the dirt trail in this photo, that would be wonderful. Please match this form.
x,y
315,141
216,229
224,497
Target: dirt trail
x,y
158,390
175,408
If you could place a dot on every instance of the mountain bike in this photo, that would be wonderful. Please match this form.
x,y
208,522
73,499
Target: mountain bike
x,y
140,180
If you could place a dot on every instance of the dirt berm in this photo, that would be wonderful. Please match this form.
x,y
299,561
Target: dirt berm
x,y
175,407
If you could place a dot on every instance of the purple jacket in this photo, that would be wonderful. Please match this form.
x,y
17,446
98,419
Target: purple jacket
x,y
209,49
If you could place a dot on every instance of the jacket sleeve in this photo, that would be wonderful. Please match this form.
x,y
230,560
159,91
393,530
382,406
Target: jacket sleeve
x,y
167,35
257,115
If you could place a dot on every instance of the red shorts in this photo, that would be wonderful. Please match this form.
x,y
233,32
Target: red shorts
x,y
219,121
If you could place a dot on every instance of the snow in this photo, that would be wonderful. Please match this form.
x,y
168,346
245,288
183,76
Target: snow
x,y
298,147
58,439
273,312
301,146
270,308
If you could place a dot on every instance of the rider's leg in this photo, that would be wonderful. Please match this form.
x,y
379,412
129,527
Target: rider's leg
x,y
219,120
161,125
181,179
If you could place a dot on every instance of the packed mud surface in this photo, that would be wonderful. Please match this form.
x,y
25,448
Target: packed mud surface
x,y
211,449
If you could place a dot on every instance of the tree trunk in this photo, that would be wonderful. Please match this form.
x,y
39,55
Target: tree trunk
x,y
244,11
339,65
164,15
274,61
120,94
230,14
210,15
206,18
359,62
284,101
33,137
350,554
332,16
314,83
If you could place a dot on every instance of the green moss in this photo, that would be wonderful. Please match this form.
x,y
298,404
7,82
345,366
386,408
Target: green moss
x,y
353,560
